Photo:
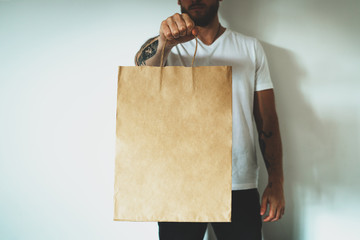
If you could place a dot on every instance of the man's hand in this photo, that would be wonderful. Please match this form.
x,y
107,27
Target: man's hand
x,y
177,29
273,197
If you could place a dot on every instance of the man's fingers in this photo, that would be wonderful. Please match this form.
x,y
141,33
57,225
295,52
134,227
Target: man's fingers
x,y
277,216
180,24
283,211
173,27
178,28
271,215
190,25
275,213
263,206
165,30
195,31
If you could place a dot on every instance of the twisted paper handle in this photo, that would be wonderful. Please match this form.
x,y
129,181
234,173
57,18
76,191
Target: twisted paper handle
x,y
163,52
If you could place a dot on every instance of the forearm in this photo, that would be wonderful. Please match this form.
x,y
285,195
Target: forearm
x,y
150,53
270,145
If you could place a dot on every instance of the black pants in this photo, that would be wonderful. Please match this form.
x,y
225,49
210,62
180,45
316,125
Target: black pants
x,y
245,222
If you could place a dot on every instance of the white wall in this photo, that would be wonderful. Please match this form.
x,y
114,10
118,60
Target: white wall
x,y
58,75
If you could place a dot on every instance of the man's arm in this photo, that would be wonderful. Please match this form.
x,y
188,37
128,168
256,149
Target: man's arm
x,y
270,145
147,50
150,53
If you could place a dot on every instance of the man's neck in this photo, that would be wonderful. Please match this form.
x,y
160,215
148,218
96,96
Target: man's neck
x,y
211,32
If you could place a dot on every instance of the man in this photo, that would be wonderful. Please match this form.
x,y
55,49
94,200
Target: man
x,y
253,98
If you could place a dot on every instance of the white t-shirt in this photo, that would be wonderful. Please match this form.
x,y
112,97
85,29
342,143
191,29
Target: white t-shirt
x,y
250,73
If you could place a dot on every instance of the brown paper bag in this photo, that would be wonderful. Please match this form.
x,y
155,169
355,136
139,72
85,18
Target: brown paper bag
x,y
173,144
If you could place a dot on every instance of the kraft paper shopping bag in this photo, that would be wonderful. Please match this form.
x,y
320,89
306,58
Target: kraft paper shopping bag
x,y
173,144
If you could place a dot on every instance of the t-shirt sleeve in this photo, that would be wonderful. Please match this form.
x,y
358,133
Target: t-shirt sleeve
x,y
262,74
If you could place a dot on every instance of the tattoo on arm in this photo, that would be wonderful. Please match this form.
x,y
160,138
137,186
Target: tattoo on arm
x,y
147,50
262,136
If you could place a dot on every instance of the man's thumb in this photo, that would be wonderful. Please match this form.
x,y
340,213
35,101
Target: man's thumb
x,y
195,31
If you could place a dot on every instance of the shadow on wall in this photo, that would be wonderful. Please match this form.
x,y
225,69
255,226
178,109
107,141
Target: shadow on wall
x,y
299,124
309,144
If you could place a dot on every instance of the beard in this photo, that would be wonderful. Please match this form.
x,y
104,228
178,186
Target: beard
x,y
203,20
